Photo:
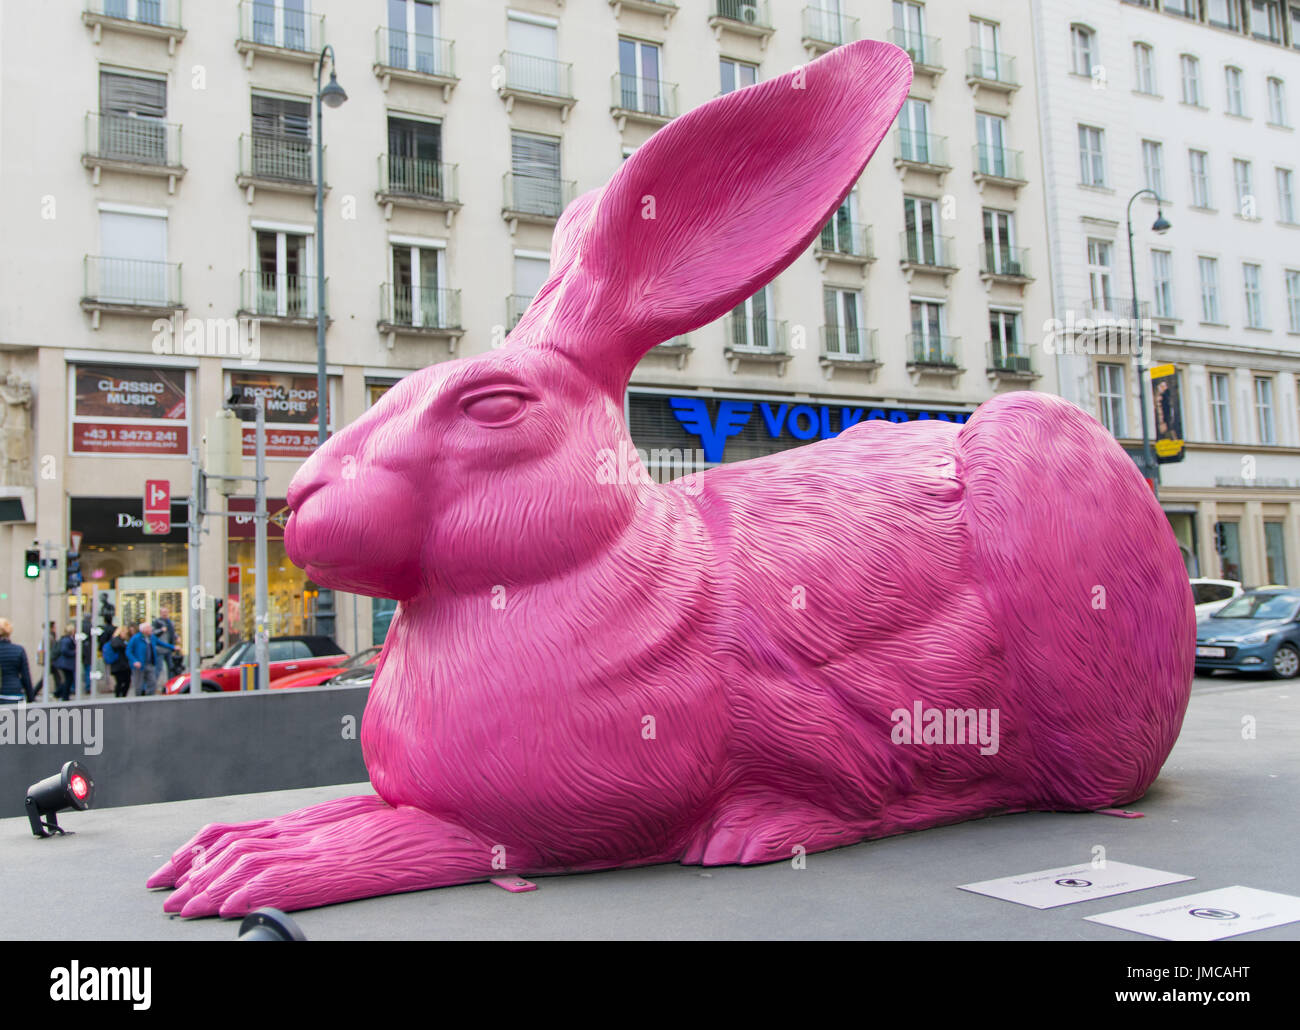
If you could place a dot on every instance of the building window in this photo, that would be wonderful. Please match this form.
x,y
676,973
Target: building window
x,y
131,113
1227,544
924,244
909,31
531,270
1100,254
1253,291
1236,95
285,287
1144,68
1209,274
991,136
1184,8
1293,300
533,49
418,298
1226,14
843,310
1276,102
986,58
1275,552
914,132
1221,407
1295,25
1111,399
1266,20
640,88
737,74
1092,156
1242,181
1000,254
1005,344
535,174
1264,410
1082,49
415,158
1199,163
1191,69
1153,166
281,138
413,36
752,325
1285,195
929,343
1162,283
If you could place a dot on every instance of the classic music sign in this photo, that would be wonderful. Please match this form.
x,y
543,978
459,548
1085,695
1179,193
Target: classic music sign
x,y
129,409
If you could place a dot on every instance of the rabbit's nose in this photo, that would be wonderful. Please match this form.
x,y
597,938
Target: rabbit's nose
x,y
302,487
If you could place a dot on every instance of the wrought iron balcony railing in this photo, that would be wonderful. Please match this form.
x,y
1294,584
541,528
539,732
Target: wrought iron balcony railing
x,y
419,307
756,13
516,305
926,249
925,51
160,13
289,159
756,335
278,294
922,148
849,343
537,195
127,282
928,349
999,162
126,138
415,52
650,97
271,24
541,76
850,239
830,28
418,177
1000,260
1005,356
991,67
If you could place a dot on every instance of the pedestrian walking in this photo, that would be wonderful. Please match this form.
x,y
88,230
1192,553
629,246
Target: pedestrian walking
x,y
119,666
65,664
164,630
142,652
15,676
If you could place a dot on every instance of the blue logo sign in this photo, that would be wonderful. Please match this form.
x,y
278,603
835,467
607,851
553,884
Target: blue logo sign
x,y
801,421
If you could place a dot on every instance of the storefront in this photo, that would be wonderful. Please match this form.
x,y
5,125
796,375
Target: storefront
x,y
291,596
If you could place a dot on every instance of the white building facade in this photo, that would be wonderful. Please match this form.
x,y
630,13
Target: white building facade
x,y
1197,102
158,181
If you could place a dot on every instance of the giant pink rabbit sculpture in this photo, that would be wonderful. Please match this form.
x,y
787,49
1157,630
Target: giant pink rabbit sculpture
x,y
1017,564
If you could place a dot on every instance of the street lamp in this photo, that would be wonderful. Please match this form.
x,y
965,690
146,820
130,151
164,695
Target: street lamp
x,y
1150,467
331,95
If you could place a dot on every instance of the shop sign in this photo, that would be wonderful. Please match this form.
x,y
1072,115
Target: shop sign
x,y
801,421
1168,408
240,526
290,400
129,409
157,507
119,520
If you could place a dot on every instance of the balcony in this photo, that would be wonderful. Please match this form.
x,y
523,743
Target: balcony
x,y
276,31
1109,308
647,101
536,80
156,19
413,57
418,183
925,51
926,252
678,349
665,8
850,349
408,310
279,297
999,166
991,70
284,164
516,305
824,30
534,199
921,152
759,341
752,18
844,242
933,356
139,146
125,286
1007,363
1007,265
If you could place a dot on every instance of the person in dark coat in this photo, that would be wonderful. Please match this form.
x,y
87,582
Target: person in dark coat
x,y
65,665
15,676
119,666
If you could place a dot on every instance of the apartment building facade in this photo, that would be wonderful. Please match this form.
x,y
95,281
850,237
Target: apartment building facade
x,y
1195,102
158,187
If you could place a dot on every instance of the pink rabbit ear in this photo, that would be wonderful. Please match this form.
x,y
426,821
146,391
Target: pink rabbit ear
x,y
714,206
564,248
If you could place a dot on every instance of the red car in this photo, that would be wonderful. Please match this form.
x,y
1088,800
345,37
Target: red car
x,y
325,674
288,655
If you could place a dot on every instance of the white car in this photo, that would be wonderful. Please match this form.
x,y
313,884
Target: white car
x,y
1212,594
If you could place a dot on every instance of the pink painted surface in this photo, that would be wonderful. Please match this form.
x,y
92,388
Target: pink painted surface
x,y
584,675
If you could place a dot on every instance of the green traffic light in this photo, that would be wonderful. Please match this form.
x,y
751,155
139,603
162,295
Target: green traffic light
x,y
33,565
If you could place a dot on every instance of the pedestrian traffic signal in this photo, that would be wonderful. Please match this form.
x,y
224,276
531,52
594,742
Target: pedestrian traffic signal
x,y
32,566
73,570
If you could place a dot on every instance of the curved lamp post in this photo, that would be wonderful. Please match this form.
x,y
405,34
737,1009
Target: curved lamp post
x,y
331,95
1150,467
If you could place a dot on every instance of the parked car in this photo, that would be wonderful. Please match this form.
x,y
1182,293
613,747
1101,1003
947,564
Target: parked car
x,y
288,655
361,661
1210,595
1256,632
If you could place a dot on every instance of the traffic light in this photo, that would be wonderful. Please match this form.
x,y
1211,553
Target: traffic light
x,y
73,570
32,565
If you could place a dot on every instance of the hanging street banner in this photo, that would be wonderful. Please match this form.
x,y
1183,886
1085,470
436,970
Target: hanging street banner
x,y
1169,414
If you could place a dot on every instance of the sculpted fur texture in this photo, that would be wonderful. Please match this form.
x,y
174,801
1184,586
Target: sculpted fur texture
x,y
585,674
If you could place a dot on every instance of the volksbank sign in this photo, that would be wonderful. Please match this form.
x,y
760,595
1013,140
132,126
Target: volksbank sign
x,y
800,421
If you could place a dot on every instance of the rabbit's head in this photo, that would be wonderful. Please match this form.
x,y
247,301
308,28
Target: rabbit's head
x,y
487,469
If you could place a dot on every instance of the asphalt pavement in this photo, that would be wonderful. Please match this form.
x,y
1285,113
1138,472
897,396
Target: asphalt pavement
x,y
1224,811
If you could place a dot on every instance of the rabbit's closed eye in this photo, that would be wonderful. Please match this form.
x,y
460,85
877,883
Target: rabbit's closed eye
x,y
495,407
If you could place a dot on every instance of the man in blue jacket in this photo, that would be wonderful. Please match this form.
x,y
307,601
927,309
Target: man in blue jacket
x,y
142,652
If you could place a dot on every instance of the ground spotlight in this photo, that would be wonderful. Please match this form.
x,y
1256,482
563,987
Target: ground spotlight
x,y
269,924
71,787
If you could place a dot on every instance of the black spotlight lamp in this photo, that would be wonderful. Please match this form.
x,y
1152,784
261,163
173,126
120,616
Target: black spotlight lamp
x,y
269,924
70,787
